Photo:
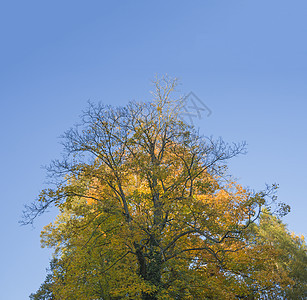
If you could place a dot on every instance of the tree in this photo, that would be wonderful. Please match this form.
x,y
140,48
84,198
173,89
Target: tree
x,y
147,210
291,253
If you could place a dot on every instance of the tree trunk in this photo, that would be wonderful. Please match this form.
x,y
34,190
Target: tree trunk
x,y
149,268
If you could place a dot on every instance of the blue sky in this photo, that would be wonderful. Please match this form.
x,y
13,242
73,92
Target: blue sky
x,y
246,60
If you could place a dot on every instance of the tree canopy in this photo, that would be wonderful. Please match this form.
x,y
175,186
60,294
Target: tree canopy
x,y
147,210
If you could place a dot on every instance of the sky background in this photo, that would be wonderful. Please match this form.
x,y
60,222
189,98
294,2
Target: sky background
x,y
246,60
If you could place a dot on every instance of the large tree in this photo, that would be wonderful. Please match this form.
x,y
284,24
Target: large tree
x,y
147,210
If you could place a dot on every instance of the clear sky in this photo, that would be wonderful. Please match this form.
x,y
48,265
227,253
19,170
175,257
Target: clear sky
x,y
246,60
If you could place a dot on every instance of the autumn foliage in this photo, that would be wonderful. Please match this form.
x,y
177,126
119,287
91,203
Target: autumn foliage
x,y
148,211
